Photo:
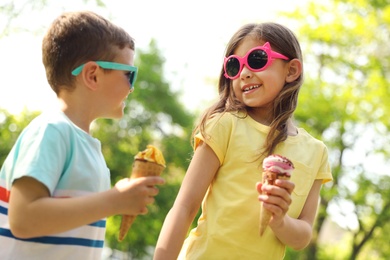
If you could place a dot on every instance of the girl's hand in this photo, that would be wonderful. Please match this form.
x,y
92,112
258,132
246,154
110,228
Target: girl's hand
x,y
277,199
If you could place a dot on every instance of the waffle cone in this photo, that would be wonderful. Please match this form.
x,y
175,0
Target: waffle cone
x,y
269,178
141,168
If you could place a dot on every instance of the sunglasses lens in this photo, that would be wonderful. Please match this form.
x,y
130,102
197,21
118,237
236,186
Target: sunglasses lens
x,y
257,59
131,77
232,67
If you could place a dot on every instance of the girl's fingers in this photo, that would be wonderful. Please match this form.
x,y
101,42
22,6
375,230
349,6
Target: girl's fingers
x,y
286,184
276,199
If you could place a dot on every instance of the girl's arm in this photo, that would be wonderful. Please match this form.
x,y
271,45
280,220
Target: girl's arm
x,y
295,233
33,213
199,175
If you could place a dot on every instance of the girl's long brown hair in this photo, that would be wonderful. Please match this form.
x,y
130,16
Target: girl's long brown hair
x,y
283,41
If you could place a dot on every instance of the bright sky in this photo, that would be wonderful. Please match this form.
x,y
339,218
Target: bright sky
x,y
192,36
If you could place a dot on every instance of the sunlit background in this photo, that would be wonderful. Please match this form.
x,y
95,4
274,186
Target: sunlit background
x,y
191,34
347,64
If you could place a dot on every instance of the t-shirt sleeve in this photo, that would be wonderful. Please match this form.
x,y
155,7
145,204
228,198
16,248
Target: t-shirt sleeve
x,y
324,171
217,134
40,153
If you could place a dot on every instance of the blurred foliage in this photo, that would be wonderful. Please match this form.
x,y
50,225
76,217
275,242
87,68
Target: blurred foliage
x,y
345,102
11,10
10,128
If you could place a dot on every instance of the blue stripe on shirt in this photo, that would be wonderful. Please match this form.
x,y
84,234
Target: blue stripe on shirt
x,y
3,210
56,240
100,223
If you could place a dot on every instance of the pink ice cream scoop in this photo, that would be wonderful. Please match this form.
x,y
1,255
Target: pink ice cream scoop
x,y
278,164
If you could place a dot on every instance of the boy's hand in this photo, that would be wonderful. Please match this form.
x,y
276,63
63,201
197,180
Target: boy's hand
x,y
135,194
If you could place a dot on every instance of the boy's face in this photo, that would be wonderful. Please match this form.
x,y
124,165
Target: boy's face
x,y
115,86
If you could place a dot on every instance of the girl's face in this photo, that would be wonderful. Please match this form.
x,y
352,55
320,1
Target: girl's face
x,y
259,89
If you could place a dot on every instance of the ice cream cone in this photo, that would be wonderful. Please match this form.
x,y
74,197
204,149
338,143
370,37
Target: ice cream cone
x,y
141,168
126,222
269,178
274,167
149,162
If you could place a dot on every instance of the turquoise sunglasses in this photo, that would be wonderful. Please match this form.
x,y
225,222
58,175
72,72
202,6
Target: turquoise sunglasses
x,y
113,66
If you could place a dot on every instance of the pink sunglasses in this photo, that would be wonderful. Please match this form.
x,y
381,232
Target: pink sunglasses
x,y
256,59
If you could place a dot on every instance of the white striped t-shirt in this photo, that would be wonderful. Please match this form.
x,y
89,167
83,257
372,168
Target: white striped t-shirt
x,y
69,162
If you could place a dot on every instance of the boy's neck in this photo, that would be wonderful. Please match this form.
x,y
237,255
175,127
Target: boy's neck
x,y
77,116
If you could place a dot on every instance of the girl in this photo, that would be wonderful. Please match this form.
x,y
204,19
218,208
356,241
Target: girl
x,y
258,86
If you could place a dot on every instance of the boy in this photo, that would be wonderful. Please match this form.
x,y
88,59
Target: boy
x,y
54,185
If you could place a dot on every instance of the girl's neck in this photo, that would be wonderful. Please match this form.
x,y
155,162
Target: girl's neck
x,y
260,115
264,118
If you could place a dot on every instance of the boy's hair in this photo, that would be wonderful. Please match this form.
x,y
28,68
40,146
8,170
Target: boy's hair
x,y
78,37
283,41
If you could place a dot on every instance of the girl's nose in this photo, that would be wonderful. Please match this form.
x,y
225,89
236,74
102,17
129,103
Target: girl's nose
x,y
245,73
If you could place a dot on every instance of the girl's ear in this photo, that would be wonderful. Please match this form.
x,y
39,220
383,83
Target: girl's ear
x,y
89,74
294,70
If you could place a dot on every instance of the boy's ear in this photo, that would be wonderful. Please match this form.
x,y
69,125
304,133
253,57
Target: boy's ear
x,y
89,73
294,70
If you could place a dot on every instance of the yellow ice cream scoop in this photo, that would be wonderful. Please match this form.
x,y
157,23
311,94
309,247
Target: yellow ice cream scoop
x,y
151,154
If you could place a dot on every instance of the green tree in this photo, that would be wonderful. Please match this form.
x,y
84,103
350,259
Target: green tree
x,y
10,128
344,102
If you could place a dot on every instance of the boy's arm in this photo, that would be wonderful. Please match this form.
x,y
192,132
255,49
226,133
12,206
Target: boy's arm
x,y
199,175
33,213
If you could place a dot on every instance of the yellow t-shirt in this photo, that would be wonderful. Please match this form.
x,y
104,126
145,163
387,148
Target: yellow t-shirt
x,y
229,225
